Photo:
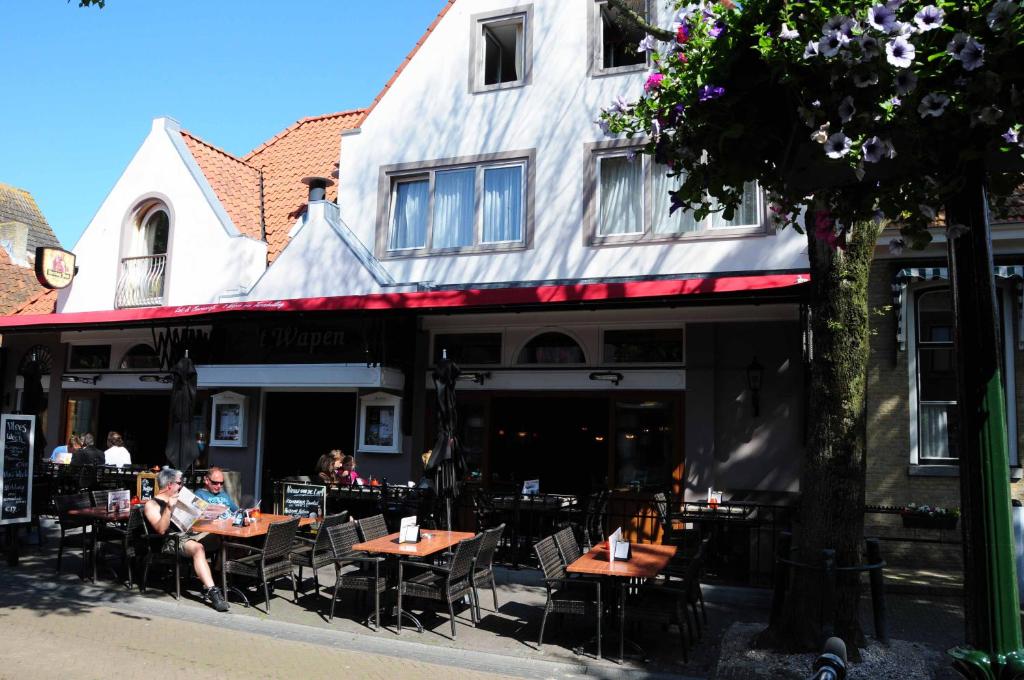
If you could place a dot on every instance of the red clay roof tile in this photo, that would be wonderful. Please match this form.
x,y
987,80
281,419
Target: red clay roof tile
x,y
236,183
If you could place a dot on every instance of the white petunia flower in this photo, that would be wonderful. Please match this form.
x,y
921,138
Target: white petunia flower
x,y
900,52
838,145
896,246
929,17
881,18
846,109
956,46
821,134
874,149
648,44
998,18
933,104
811,50
972,55
787,33
868,46
830,43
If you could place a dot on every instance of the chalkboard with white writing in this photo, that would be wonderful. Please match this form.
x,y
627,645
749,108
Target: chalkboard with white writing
x,y
18,437
303,500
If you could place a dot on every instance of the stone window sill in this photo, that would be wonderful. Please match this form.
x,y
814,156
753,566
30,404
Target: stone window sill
x,y
1016,473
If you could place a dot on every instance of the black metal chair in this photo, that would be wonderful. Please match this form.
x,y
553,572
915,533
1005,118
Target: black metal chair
x,y
266,564
162,549
445,584
316,553
341,538
483,569
371,528
74,531
578,597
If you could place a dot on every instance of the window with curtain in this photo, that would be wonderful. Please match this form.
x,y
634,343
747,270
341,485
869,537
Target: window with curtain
x,y
623,210
459,208
938,417
409,214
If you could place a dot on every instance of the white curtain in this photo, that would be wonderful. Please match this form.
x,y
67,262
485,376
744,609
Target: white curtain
x,y
503,204
935,430
409,215
747,215
621,190
681,222
454,195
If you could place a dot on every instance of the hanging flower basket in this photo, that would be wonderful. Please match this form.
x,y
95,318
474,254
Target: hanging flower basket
x,y
929,517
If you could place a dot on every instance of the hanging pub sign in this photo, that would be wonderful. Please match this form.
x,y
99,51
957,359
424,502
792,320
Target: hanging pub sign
x,y
55,267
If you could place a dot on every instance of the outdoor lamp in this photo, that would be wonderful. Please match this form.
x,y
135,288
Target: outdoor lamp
x,y
755,373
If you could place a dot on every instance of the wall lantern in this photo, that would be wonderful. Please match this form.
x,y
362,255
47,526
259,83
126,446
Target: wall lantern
x,y
755,374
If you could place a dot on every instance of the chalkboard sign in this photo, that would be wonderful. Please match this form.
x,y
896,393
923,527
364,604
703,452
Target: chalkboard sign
x,y
145,485
303,500
16,446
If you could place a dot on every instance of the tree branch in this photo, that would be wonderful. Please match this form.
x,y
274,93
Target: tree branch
x,y
640,21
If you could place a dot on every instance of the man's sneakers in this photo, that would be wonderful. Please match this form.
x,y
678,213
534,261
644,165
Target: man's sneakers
x,y
216,599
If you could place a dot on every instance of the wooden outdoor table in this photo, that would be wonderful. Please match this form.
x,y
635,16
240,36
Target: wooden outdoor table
x,y
645,561
224,528
99,516
430,543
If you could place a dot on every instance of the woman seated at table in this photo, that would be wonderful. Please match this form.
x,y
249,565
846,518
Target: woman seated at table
x,y
328,467
157,512
348,472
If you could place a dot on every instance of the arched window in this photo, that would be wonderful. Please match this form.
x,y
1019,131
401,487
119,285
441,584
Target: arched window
x,y
938,416
149,231
552,348
140,357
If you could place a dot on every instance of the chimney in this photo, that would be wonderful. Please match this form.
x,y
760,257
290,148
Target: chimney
x,y
317,187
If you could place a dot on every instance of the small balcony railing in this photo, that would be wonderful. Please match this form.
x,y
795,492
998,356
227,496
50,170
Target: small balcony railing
x,y
141,281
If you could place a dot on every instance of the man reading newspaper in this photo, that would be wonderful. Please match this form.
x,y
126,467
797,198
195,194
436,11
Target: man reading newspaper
x,y
174,504
213,492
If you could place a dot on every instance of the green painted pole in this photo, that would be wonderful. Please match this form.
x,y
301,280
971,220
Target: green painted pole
x,y
993,635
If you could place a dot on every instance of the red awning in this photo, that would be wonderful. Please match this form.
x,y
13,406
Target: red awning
x,y
422,300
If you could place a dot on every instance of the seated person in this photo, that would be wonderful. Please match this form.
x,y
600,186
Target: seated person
x,y
328,466
63,453
213,492
88,454
116,454
157,512
348,471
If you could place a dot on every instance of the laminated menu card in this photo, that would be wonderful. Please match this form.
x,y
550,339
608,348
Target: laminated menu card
x,y
618,549
409,531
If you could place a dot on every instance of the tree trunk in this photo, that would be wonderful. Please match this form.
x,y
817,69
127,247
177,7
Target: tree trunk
x,y
831,513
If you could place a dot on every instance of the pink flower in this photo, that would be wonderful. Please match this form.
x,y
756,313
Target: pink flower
x,y
824,228
653,81
683,34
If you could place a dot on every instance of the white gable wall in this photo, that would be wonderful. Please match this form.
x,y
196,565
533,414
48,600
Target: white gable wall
x,y
206,257
429,114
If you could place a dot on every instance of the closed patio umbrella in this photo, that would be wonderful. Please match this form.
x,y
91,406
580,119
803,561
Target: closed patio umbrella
x,y
446,464
182,450
33,399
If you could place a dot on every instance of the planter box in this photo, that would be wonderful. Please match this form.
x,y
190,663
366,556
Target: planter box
x,y
912,521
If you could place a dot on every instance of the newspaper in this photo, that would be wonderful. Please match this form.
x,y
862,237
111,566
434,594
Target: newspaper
x,y
187,510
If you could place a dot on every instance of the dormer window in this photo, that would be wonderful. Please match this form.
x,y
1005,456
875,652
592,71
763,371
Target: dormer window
x,y
500,49
144,257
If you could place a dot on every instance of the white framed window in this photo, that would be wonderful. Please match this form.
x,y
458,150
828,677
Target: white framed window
x,y
614,40
501,49
479,205
629,201
380,418
934,413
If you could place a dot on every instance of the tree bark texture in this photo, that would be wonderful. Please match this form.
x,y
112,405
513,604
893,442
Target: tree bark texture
x,y
831,515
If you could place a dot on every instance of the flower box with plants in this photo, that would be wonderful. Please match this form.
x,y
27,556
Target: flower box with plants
x,y
929,517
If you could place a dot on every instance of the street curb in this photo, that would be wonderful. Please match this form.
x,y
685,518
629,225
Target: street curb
x,y
486,662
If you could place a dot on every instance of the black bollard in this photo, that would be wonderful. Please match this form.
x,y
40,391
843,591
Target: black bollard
x,y
781,577
878,591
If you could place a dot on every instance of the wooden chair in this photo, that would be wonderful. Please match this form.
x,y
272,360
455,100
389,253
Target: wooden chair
x,y
445,584
577,597
341,538
266,564
316,553
483,569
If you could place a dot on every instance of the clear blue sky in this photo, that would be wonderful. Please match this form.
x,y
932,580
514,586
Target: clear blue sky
x,y
81,86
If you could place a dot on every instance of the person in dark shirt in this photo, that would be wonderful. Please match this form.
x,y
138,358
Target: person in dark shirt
x,y
88,454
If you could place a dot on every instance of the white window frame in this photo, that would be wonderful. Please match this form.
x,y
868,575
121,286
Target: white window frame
x,y
595,32
386,400
598,151
1009,350
521,15
393,176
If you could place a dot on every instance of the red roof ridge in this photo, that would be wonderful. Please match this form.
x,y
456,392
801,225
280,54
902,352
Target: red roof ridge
x,y
33,300
405,62
219,150
294,126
